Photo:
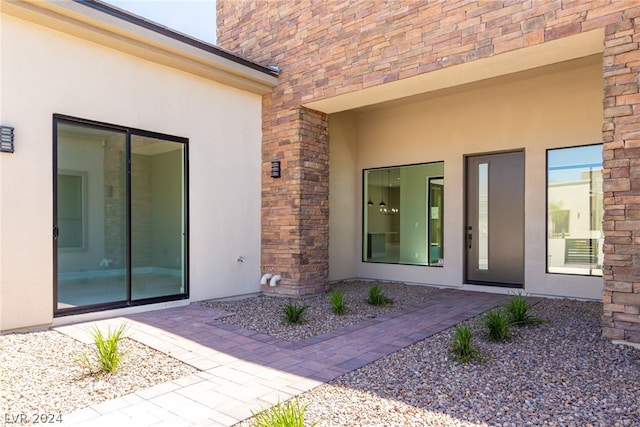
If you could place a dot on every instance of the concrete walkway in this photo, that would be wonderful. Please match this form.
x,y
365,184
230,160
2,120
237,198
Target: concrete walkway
x,y
244,371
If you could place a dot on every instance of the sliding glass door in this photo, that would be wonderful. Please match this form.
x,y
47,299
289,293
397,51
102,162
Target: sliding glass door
x,y
157,217
119,216
90,228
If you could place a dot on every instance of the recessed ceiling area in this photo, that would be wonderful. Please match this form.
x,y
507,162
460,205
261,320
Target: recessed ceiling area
x,y
522,75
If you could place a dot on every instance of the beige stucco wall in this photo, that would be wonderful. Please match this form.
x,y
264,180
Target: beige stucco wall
x,y
46,72
344,196
556,107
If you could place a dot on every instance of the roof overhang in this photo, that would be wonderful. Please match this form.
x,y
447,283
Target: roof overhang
x,y
114,28
535,57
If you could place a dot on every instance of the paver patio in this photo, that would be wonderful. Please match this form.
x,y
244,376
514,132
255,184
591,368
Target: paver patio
x,y
244,371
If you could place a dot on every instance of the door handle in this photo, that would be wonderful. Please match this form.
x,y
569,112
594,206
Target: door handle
x,y
469,237
56,232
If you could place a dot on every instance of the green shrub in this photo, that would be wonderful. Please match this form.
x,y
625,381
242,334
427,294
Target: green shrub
x,y
461,348
518,310
108,354
337,302
497,324
289,414
377,297
293,312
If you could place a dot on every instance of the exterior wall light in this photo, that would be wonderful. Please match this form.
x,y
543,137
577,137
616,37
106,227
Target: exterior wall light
x,y
275,169
6,139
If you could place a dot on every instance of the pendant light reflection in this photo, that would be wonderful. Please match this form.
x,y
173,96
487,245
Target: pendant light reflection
x,y
384,210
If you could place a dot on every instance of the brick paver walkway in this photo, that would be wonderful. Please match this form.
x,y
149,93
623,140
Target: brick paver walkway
x,y
242,370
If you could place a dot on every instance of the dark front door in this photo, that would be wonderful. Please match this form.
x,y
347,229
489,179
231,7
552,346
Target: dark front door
x,y
494,229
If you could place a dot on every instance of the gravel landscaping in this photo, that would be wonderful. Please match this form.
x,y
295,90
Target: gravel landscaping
x,y
40,374
558,373
264,313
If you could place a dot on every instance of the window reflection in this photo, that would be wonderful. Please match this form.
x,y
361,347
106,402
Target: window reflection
x,y
574,210
403,214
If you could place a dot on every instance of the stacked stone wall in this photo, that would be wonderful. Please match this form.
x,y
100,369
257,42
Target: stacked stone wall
x,y
295,207
326,48
621,183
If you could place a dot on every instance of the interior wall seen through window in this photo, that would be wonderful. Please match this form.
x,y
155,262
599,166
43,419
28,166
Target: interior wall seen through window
x,y
72,209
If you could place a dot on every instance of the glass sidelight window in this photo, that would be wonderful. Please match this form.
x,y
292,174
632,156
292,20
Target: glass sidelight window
x,y
574,210
403,214
119,216
483,215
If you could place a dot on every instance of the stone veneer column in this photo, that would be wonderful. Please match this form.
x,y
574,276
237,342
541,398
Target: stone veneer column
x,y
621,183
295,207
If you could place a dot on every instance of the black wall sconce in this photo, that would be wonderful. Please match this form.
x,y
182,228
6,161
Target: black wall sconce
x,y
275,169
6,139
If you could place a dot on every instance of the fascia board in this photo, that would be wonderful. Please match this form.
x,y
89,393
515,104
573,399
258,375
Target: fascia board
x,y
93,25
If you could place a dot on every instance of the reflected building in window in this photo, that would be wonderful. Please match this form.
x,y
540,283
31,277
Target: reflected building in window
x,y
574,210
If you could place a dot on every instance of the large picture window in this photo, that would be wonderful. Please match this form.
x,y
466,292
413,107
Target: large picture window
x,y
403,214
574,210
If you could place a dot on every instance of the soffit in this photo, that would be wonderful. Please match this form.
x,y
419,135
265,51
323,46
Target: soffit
x,y
481,84
411,89
92,24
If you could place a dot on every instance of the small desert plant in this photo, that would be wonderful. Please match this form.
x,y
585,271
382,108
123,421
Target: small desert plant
x,y
461,348
377,297
497,324
108,354
293,312
337,302
288,414
518,310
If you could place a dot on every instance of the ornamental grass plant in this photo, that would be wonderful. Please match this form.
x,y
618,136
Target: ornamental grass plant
x,y
288,414
377,297
462,349
337,302
293,312
107,352
519,311
497,324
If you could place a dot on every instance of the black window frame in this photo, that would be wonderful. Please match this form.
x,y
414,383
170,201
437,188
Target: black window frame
x,y
363,202
129,132
546,208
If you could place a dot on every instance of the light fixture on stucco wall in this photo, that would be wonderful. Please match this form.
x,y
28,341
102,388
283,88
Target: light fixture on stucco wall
x,y
6,139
